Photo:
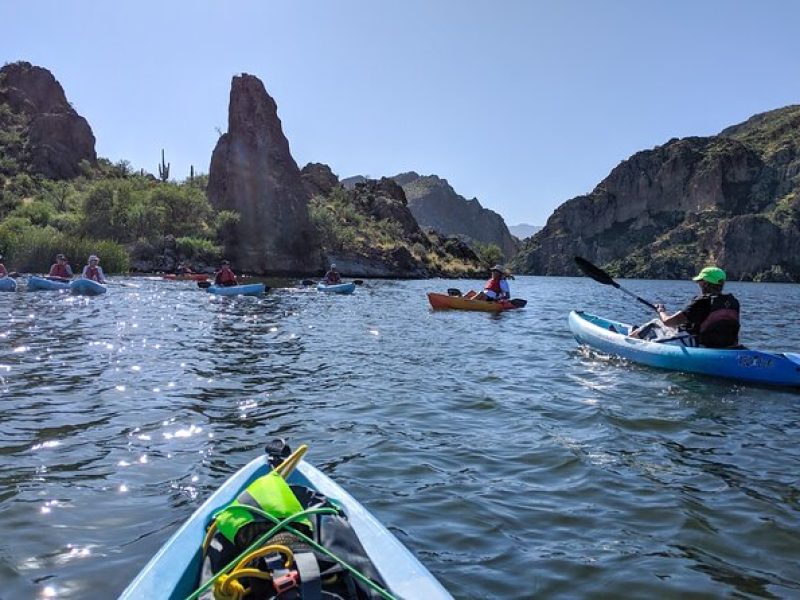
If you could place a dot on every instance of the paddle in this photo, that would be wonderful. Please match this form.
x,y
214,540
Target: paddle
x,y
601,276
358,281
204,284
454,292
308,282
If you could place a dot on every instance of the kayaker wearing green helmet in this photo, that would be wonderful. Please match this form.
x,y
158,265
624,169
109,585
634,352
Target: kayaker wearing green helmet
x,y
712,318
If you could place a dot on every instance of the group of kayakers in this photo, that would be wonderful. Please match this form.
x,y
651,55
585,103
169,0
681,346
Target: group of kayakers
x,y
61,270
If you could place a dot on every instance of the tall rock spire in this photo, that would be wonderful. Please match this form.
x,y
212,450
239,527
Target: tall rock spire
x,y
253,173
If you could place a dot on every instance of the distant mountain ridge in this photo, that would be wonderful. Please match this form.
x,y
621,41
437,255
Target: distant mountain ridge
x,y
732,199
523,230
436,205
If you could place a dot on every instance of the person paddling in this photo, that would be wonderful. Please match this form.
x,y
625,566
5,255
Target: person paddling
x,y
712,318
93,270
225,276
60,269
332,277
183,269
496,288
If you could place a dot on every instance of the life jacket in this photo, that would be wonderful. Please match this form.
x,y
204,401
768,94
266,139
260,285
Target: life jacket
x,y
3,271
493,285
332,278
225,277
720,329
59,270
269,493
92,273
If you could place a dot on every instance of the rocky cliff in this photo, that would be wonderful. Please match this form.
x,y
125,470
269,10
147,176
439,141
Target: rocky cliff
x,y
253,173
42,133
731,199
368,230
436,205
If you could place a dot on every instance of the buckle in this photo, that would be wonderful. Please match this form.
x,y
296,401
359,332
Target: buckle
x,y
286,581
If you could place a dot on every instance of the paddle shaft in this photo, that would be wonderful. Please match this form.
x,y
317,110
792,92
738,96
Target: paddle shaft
x,y
601,276
631,294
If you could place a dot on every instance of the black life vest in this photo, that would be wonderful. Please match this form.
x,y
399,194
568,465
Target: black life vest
x,y
720,329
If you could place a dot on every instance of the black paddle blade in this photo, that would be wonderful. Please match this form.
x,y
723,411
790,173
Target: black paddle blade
x,y
519,302
307,282
594,272
358,281
453,292
203,284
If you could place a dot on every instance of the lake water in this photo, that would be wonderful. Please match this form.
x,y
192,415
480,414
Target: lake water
x,y
511,462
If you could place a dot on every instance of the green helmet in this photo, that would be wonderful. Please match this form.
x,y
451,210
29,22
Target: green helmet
x,y
713,275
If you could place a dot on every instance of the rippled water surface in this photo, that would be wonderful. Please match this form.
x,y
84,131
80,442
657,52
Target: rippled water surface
x,y
512,463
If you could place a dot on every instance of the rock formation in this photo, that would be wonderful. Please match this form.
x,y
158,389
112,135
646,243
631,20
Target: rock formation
x,y
55,137
436,205
731,199
253,173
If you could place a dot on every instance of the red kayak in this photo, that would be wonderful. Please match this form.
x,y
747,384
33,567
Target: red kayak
x,y
186,277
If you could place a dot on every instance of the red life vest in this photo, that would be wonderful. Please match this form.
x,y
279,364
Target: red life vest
x,y
225,276
93,273
59,270
720,329
493,285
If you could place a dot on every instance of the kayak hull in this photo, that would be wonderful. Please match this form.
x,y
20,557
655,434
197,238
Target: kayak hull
x,y
443,301
186,277
339,288
751,366
86,287
174,571
251,289
49,285
7,284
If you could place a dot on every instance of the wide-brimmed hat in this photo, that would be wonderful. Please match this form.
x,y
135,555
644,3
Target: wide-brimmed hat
x,y
713,275
498,268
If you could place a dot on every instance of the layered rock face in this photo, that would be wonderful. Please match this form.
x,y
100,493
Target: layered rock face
x,y
731,199
253,173
56,137
435,204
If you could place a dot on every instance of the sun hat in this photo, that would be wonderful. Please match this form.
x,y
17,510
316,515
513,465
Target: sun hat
x,y
94,257
498,268
333,266
713,275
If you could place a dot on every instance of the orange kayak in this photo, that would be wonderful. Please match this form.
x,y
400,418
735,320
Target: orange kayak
x,y
461,303
186,277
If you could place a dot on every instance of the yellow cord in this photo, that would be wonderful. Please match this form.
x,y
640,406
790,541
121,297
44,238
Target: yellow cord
x,y
228,587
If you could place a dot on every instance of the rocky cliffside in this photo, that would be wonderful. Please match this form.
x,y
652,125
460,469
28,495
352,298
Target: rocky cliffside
x,y
731,199
436,205
368,230
253,173
42,133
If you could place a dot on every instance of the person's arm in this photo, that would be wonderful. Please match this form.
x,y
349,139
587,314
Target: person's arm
x,y
101,274
676,320
83,273
69,271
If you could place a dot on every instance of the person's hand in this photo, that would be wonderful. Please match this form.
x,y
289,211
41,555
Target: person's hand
x,y
661,308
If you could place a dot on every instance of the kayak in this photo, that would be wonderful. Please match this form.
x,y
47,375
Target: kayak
x,y
175,570
339,288
41,283
741,364
186,277
86,287
442,301
251,289
7,284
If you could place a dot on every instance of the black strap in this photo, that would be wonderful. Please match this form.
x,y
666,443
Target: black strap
x,y
308,569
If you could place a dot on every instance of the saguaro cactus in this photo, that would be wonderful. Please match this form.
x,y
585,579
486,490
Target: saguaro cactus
x,y
163,168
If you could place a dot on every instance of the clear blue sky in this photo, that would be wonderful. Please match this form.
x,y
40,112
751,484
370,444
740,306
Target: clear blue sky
x,y
523,104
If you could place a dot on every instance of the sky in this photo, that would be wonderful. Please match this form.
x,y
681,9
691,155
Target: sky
x,y
522,104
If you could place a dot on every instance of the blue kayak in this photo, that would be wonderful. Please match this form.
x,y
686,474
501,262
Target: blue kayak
x,y
175,570
86,287
339,288
42,283
752,366
7,284
251,289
